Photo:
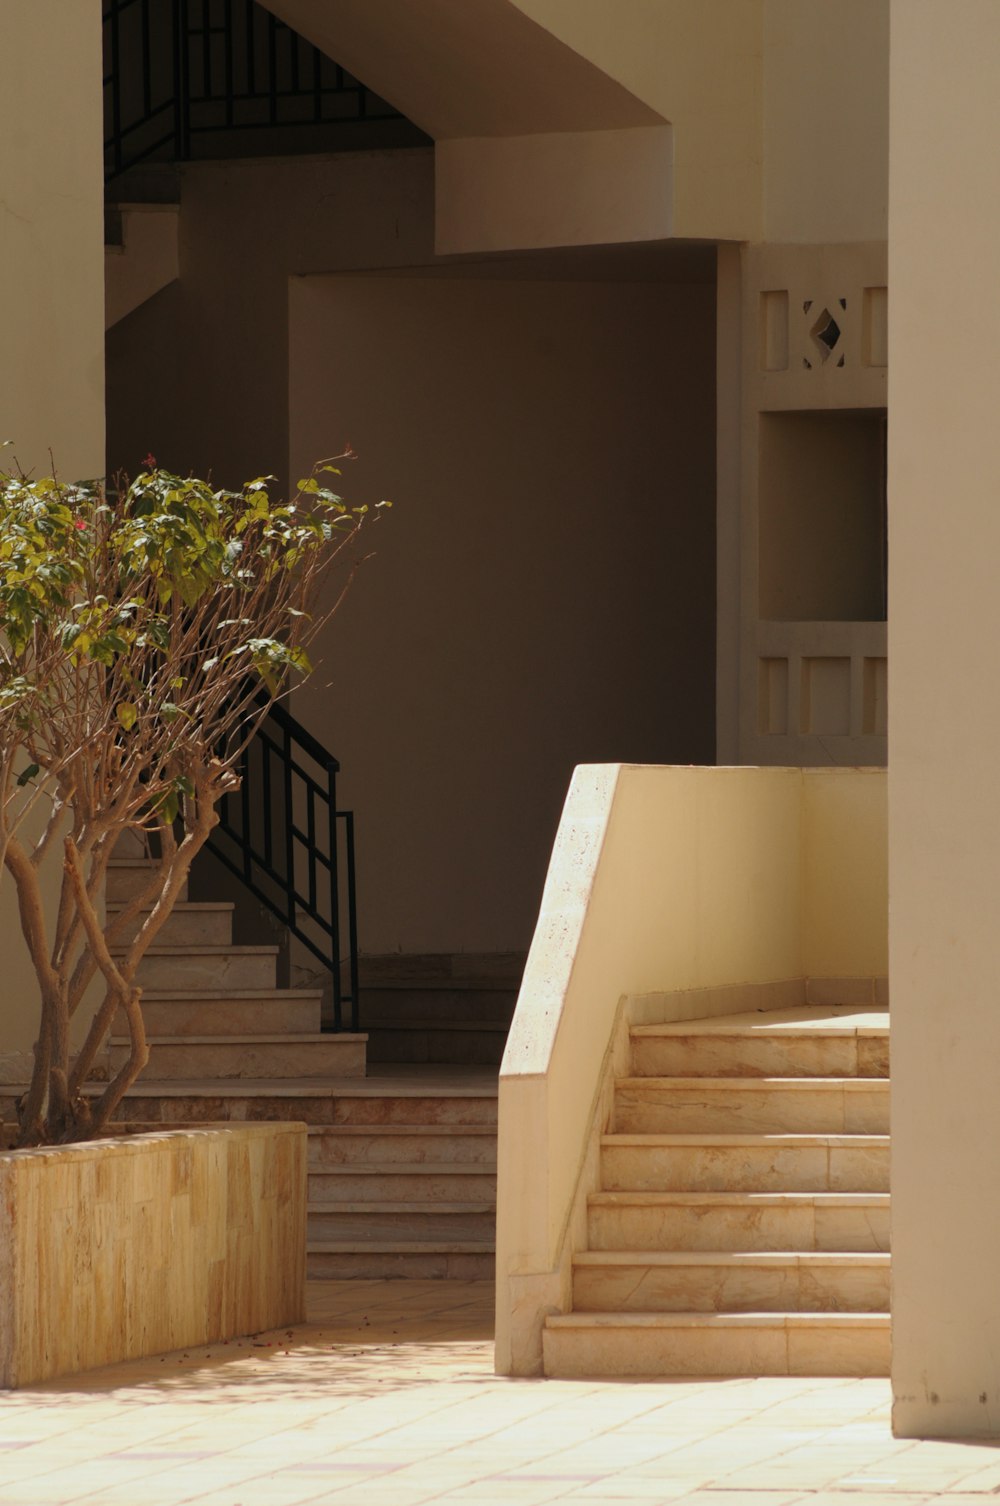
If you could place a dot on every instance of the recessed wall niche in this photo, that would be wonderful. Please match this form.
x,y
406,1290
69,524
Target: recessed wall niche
x,y
821,501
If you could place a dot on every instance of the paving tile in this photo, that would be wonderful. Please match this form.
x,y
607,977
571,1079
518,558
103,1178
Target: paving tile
x,y
387,1398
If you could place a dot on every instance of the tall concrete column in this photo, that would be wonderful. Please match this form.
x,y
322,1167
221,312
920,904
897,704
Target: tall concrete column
x,y
51,236
51,318
944,714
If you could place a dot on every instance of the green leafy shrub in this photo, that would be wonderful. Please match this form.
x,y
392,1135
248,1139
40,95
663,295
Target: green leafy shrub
x,y
137,631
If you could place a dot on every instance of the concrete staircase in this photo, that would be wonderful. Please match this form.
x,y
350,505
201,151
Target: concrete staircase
x,y
439,1008
402,1165
742,1224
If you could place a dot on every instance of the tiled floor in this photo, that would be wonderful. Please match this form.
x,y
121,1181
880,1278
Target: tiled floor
x,y
388,1398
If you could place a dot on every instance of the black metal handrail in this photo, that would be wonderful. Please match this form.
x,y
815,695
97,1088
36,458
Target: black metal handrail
x,y
178,69
283,835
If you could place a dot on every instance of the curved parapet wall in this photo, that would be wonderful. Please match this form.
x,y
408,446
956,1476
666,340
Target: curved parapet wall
x,y
671,893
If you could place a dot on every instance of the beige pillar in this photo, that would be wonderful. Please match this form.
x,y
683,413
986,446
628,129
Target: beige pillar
x,y
51,236
51,314
944,730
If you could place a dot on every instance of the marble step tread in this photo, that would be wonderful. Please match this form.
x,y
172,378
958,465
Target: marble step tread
x,y
402,1247
850,1021
440,1027
413,1169
187,906
756,1084
638,1344
307,1087
406,1208
735,1259
245,1087
318,1037
776,1139
201,949
367,1130
718,1320
738,1199
222,995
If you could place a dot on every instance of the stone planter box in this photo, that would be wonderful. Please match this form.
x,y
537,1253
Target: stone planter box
x,y
120,1248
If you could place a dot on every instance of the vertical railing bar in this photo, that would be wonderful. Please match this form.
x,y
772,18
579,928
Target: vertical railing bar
x,y
116,86
251,47
206,51
286,753
338,1023
147,60
317,85
228,44
245,814
181,75
272,70
352,920
266,782
294,43
311,834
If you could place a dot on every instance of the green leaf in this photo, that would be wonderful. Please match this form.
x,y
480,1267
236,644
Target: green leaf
x,y
28,774
168,808
127,713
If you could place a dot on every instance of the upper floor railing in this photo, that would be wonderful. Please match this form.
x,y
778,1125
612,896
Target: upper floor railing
x,y
282,834
177,72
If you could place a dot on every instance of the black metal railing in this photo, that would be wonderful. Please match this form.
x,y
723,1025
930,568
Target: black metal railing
x,y
283,835
176,70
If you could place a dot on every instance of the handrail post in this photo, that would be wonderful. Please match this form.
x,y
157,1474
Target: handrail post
x,y
334,904
286,758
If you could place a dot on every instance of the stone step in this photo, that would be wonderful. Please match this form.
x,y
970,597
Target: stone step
x,y
729,1281
465,1005
584,1345
745,1163
214,967
399,1182
187,925
779,1221
402,1222
442,970
127,877
461,1260
389,1144
774,1051
472,1044
764,1105
247,1011
252,1056
313,1100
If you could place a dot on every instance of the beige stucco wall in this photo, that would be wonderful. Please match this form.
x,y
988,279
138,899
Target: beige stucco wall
x,y
543,590
51,303
825,136
214,395
944,644
663,881
778,107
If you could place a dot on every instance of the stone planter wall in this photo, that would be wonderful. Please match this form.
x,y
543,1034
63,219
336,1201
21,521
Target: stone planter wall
x,y
134,1246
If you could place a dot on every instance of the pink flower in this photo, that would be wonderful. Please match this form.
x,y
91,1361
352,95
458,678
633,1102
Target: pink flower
x,y
150,462
79,523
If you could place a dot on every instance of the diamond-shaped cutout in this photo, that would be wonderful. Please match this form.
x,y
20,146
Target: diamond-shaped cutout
x,y
825,333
